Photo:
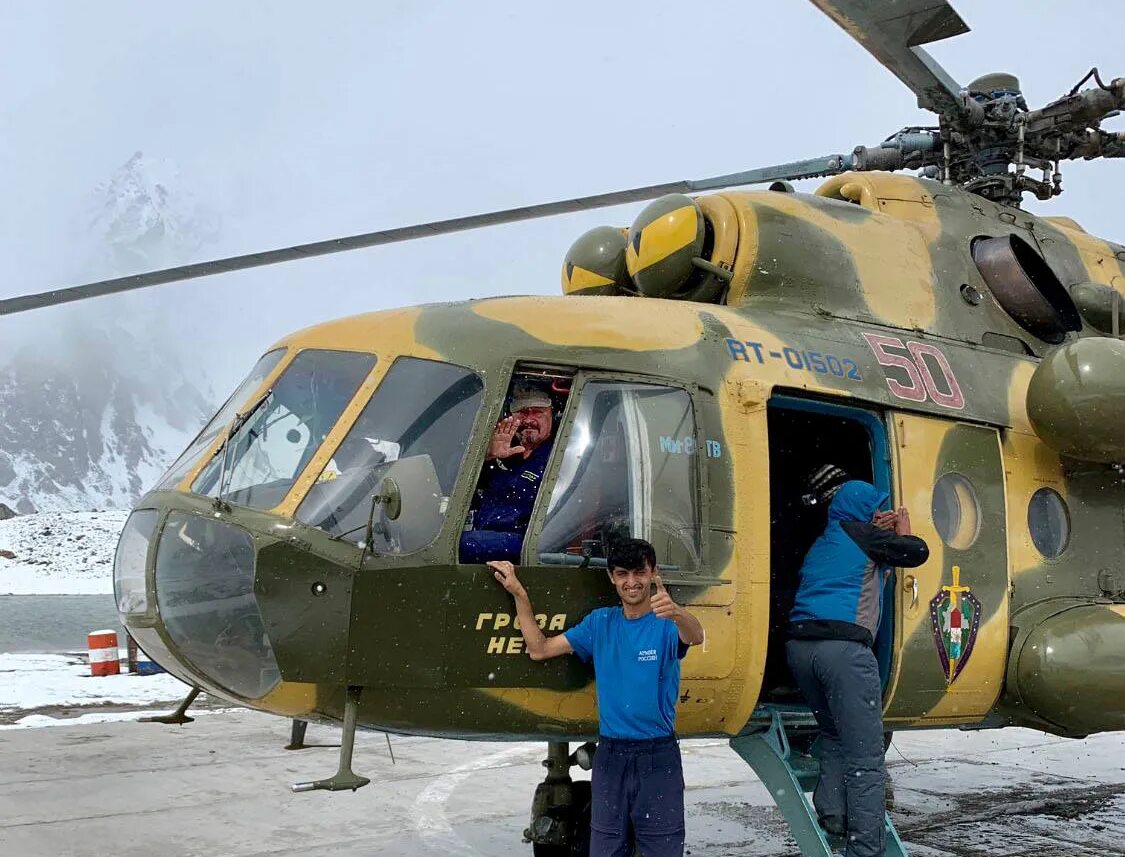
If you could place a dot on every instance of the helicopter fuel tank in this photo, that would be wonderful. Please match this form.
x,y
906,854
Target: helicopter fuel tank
x,y
1068,669
1076,399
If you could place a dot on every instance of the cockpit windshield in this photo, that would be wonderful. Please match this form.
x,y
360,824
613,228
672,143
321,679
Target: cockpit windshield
x,y
409,440
267,452
220,421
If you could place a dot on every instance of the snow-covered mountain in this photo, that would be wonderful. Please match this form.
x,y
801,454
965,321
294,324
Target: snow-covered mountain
x,y
94,407
91,421
59,553
147,216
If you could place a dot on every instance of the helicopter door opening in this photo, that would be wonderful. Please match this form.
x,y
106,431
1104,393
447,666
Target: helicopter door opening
x,y
805,434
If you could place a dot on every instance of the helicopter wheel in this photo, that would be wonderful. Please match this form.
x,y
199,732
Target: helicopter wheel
x,y
576,816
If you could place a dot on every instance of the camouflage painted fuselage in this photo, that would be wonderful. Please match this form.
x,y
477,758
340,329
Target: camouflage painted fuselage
x,y
850,296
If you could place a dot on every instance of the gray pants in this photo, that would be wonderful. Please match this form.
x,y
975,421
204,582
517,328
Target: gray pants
x,y
840,682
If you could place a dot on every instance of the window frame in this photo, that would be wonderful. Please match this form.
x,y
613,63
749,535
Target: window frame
x,y
529,555
362,392
1067,517
148,616
443,550
185,482
361,402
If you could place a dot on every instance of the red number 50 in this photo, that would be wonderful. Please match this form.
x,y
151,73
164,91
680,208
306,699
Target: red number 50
x,y
920,384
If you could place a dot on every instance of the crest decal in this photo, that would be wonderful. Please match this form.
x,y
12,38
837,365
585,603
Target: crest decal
x,y
955,620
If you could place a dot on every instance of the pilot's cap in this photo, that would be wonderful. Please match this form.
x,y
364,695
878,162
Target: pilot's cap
x,y
822,484
529,396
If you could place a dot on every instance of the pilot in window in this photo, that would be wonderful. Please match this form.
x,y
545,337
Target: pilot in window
x,y
514,465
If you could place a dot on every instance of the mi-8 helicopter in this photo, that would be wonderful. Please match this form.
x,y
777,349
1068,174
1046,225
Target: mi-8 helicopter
x,y
924,332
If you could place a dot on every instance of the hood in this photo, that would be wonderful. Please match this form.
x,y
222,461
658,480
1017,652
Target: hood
x,y
856,501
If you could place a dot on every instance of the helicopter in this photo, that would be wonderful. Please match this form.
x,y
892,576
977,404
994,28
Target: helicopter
x,y
923,331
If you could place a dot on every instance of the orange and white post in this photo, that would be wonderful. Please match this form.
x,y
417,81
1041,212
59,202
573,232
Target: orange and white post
x,y
104,659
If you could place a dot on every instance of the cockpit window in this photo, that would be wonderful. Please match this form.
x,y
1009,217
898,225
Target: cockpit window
x,y
281,431
406,447
630,470
518,452
221,420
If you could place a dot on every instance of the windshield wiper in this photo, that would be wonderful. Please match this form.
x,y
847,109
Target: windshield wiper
x,y
235,427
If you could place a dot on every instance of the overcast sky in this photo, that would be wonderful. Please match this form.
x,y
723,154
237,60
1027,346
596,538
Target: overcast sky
x,y
314,120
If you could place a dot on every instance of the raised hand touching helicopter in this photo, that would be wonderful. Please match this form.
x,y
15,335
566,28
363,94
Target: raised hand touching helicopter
x,y
539,646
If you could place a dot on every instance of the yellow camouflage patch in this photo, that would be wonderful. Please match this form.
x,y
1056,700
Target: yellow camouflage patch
x,y
652,325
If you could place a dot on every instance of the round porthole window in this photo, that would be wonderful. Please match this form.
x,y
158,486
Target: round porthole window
x,y
955,511
1049,522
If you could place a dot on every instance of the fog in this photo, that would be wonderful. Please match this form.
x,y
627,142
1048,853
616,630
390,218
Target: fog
x,y
315,120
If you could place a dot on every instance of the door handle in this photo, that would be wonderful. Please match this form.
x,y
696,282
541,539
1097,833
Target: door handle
x,y
910,584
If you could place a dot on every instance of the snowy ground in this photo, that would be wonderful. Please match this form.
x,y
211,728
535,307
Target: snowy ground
x,y
35,686
48,690
59,553
221,786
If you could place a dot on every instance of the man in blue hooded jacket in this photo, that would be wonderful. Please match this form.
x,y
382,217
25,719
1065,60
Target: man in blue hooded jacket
x,y
832,629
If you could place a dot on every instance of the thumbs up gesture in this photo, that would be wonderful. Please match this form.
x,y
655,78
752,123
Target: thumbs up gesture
x,y
662,604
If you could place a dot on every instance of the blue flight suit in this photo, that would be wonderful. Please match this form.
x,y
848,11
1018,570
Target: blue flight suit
x,y
507,495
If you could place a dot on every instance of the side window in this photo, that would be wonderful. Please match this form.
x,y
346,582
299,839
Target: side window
x,y
413,433
630,470
519,450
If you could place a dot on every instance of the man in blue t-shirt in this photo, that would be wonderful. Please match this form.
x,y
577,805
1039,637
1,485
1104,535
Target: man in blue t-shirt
x,y
638,781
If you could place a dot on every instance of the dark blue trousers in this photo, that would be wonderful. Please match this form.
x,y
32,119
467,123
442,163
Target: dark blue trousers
x,y
638,799
840,681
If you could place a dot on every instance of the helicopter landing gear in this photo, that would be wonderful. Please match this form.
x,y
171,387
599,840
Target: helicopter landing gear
x,y
344,778
297,735
179,716
789,773
560,810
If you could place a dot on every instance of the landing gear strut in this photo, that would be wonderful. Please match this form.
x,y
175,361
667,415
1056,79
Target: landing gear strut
x,y
179,716
560,810
297,735
344,778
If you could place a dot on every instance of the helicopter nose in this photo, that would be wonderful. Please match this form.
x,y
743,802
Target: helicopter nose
x,y
203,583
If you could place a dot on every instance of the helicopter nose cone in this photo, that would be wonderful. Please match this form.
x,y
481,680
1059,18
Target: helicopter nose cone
x,y
203,582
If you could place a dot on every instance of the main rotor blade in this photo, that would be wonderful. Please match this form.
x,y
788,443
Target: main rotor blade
x,y
812,168
892,33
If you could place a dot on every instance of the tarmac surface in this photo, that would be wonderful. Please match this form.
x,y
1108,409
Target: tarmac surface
x,y
220,786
